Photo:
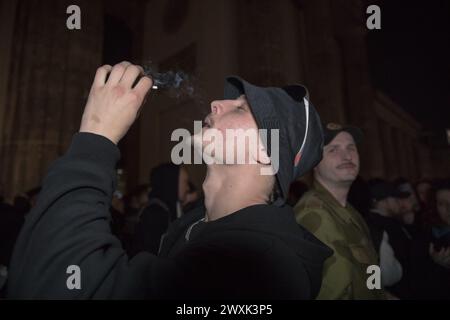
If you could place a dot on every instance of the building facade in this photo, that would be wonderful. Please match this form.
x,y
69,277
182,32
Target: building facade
x,y
46,71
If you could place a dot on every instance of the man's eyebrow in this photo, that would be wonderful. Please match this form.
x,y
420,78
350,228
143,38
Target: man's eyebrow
x,y
332,146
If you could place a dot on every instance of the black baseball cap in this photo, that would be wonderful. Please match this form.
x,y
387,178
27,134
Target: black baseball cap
x,y
288,110
381,189
332,129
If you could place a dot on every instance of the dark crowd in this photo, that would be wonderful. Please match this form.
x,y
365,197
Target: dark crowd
x,y
414,214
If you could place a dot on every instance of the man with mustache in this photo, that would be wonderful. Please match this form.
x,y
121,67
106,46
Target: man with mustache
x,y
325,211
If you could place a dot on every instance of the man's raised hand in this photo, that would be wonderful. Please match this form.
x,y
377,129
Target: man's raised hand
x,y
113,102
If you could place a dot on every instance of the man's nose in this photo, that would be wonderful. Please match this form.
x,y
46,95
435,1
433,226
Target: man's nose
x,y
346,155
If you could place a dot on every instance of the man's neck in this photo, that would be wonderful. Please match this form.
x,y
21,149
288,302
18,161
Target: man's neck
x,y
229,189
339,191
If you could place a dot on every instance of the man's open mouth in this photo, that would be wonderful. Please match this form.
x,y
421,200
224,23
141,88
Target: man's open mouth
x,y
207,123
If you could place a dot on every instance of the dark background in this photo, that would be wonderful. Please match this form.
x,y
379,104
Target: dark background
x,y
392,83
410,59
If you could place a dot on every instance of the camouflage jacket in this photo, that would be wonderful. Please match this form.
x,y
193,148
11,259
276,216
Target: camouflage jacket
x,y
343,230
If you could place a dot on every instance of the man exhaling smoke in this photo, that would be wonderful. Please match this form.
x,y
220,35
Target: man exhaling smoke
x,y
244,243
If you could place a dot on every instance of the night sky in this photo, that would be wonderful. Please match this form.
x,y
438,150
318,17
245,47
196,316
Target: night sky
x,y
410,59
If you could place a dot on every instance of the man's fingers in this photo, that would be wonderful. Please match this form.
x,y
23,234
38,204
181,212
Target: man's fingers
x,y
117,73
142,87
101,74
130,75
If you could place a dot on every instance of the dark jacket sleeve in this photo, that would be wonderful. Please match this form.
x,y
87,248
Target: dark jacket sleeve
x,y
70,226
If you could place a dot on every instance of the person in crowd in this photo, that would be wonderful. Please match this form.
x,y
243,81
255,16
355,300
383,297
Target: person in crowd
x,y
326,212
391,240
424,191
22,204
33,195
193,199
137,199
117,210
10,224
409,205
438,275
391,220
169,188
245,244
4,205
441,229
11,221
134,203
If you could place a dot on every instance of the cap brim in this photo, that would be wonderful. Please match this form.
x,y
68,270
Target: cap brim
x,y
234,88
355,132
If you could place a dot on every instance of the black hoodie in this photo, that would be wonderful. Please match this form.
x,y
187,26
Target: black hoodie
x,y
259,247
257,252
